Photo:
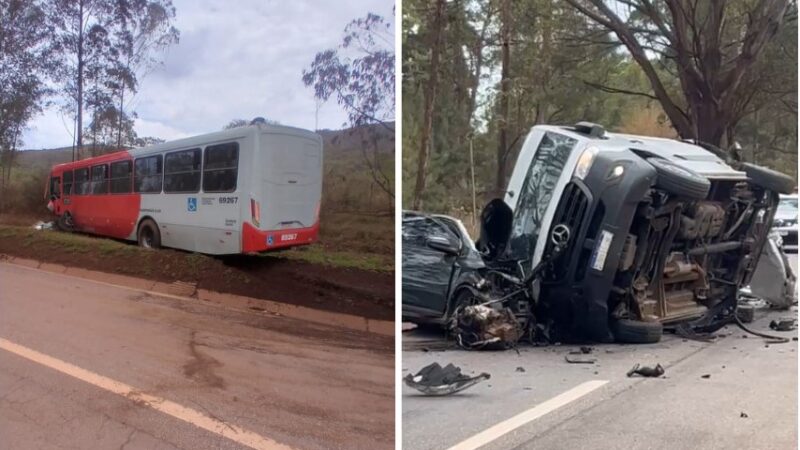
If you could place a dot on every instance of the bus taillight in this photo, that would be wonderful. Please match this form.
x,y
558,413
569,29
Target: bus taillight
x,y
255,212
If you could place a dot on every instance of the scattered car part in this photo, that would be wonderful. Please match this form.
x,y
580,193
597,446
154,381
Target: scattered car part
x,y
579,360
436,380
746,313
785,324
484,327
646,371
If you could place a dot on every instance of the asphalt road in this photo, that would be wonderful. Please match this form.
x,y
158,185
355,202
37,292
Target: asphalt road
x,y
86,365
748,400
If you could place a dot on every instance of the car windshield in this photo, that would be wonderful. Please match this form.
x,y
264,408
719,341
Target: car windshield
x,y
536,193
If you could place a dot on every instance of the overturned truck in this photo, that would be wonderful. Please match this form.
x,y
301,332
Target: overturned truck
x,y
604,236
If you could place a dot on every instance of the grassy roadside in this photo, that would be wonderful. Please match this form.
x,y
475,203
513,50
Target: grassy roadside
x,y
314,276
334,254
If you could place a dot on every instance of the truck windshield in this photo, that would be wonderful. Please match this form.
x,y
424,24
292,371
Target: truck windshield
x,y
536,193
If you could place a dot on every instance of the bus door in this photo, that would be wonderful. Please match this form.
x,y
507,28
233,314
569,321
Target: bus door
x,y
55,193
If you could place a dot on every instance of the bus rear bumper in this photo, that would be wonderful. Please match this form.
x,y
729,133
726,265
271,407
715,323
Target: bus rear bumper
x,y
255,240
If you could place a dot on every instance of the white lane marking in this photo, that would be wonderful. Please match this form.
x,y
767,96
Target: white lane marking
x,y
506,426
191,416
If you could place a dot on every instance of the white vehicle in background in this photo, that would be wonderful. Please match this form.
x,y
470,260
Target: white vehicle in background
x,y
785,223
247,189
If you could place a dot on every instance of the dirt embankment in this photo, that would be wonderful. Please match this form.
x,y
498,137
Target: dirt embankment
x,y
270,276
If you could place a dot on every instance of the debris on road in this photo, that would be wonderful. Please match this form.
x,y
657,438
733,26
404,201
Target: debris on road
x,y
743,415
784,324
579,360
43,226
646,371
520,369
746,313
483,327
435,380
706,376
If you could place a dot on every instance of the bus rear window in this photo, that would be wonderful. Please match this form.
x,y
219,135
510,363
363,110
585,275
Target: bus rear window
x,y
147,174
220,167
100,179
182,171
81,181
67,182
121,177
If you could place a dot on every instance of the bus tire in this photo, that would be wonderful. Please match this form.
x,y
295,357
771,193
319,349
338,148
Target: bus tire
x,y
65,223
148,235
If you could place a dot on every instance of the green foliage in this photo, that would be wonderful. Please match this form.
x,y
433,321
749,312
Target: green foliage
x,y
562,70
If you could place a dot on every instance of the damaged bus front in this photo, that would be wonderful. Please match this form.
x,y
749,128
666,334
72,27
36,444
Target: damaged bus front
x,y
611,236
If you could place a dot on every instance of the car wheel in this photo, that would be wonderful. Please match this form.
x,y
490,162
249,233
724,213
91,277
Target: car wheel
x,y
148,235
768,178
463,298
679,180
636,332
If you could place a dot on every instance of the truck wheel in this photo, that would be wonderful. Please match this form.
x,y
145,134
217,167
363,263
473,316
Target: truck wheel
x,y
148,235
636,332
768,178
679,180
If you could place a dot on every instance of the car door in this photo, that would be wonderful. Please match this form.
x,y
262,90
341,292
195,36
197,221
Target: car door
x,y
426,272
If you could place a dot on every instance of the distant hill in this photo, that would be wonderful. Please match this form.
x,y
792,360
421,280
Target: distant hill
x,y
335,142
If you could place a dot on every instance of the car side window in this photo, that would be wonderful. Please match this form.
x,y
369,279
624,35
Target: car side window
x,y
417,231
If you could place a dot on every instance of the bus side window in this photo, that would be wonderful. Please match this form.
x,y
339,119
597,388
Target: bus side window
x,y
121,177
221,167
100,180
182,171
67,182
147,174
81,181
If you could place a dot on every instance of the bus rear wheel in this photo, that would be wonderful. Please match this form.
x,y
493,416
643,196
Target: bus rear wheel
x,y
148,235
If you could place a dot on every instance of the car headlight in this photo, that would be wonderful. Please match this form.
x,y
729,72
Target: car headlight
x,y
585,162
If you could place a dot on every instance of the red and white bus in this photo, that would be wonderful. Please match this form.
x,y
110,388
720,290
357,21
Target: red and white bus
x,y
247,189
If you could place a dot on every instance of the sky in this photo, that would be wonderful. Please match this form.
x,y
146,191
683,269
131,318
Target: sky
x,y
235,59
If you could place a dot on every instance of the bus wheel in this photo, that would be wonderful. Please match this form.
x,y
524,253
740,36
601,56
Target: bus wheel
x,y
148,235
65,223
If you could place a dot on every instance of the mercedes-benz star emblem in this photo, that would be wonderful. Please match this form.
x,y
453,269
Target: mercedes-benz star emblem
x,y
560,235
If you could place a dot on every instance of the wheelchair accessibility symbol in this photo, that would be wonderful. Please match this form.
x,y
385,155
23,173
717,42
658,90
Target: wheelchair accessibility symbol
x,y
192,204
269,240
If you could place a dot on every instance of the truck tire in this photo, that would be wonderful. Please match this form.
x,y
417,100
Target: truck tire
x,y
148,235
636,332
769,179
679,180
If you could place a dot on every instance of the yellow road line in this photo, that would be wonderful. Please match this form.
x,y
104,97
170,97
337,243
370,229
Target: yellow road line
x,y
189,415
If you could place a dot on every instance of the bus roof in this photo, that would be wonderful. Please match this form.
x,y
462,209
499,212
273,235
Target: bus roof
x,y
189,142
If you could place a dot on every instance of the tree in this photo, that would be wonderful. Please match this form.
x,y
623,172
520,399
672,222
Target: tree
x,y
438,20
25,64
104,43
360,75
710,47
